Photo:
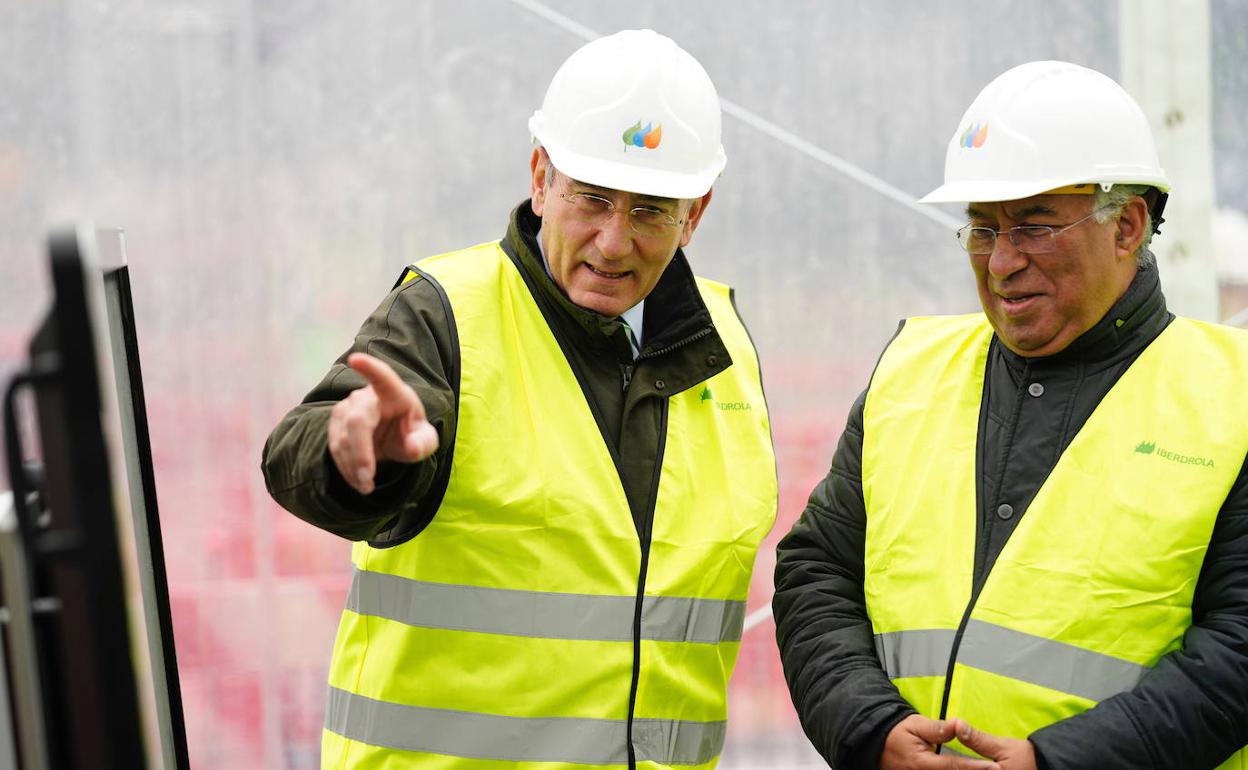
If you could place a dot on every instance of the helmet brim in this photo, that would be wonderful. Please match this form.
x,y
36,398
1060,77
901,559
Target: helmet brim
x,y
967,192
996,190
629,178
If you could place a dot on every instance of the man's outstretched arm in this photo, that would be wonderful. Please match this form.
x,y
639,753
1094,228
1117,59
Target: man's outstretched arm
x,y
409,334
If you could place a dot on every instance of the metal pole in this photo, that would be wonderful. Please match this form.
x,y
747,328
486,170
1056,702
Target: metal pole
x,y
1165,65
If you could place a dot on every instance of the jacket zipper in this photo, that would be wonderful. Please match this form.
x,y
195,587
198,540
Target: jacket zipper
x,y
626,372
646,531
705,332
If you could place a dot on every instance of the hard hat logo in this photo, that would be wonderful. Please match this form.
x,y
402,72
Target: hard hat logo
x,y
974,136
648,137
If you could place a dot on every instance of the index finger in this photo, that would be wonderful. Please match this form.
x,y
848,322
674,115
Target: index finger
x,y
390,388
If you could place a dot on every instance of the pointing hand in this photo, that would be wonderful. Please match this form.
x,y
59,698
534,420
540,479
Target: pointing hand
x,y
384,420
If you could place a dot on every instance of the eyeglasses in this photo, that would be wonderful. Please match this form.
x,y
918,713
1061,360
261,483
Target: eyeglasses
x,y
1029,239
646,221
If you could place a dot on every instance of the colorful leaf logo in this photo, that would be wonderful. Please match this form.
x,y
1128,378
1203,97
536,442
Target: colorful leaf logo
x,y
974,136
648,137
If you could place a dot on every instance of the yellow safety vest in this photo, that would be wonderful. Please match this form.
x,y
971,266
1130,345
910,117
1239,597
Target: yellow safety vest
x,y
512,629
1095,585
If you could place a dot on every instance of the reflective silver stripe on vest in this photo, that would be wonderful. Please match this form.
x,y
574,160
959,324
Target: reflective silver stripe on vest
x,y
1014,654
1055,665
915,653
517,739
544,615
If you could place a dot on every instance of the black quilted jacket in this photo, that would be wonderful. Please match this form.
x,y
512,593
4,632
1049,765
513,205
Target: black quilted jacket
x,y
1190,711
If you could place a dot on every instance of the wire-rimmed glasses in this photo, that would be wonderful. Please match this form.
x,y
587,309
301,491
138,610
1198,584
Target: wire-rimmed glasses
x,y
1029,239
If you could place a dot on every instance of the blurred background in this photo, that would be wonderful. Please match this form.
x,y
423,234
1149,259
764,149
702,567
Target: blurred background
x,y
274,165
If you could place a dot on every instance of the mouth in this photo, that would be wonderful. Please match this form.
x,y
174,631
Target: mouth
x,y
607,274
1018,303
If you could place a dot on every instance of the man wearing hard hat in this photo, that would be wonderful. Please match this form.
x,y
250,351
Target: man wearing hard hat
x,y
1032,546
554,455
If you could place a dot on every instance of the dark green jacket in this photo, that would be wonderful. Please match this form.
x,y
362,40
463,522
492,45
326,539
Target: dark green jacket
x,y
413,331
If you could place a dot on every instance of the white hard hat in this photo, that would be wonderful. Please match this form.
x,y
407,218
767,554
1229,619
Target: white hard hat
x,y
1043,126
635,112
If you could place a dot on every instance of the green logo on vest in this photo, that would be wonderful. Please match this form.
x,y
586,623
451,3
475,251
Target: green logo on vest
x,y
1151,448
725,406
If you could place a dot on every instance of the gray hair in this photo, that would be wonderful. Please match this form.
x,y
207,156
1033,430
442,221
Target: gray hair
x,y
1112,202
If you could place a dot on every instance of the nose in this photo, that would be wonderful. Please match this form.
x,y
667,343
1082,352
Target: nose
x,y
615,236
1005,259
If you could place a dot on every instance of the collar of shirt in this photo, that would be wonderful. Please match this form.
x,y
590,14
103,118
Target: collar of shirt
x,y
634,317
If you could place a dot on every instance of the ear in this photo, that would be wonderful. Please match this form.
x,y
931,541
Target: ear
x,y
1130,228
537,184
694,217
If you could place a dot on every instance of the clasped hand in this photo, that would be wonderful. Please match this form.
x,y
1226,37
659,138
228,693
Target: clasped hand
x,y
913,743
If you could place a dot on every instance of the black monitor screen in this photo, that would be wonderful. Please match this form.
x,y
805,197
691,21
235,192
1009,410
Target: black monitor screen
x,y
90,654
